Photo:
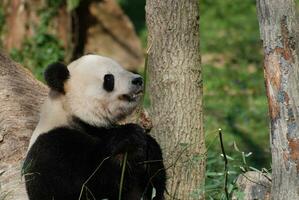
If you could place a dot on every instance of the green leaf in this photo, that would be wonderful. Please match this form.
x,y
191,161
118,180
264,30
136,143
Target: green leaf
x,y
236,147
255,169
228,157
214,174
230,188
72,4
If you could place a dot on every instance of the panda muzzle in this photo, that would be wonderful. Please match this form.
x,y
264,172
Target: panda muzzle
x,y
132,96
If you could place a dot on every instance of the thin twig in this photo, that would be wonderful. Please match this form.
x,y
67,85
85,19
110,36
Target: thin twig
x,y
95,171
225,165
149,161
122,175
145,71
88,190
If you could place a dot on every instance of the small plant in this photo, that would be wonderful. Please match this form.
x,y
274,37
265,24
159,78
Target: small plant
x,y
221,174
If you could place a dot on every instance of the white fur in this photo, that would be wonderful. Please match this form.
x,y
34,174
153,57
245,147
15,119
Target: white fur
x,y
85,97
52,115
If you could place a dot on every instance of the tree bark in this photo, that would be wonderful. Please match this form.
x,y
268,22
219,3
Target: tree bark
x,y
175,88
279,31
20,98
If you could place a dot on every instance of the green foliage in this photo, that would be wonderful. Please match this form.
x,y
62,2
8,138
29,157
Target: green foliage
x,y
43,47
230,27
234,92
237,164
235,98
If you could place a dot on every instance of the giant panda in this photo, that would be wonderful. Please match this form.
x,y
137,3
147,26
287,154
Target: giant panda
x,y
77,150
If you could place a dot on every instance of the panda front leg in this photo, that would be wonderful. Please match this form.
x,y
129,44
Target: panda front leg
x,y
128,138
140,148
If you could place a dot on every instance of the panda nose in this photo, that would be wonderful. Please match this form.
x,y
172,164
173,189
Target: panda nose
x,y
137,81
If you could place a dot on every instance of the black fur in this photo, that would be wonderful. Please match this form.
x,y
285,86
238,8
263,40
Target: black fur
x,y
108,82
55,75
60,161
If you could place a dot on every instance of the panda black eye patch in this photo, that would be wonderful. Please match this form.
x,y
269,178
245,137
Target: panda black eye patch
x,y
109,82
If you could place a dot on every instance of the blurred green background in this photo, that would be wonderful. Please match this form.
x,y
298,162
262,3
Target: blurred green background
x,y
234,92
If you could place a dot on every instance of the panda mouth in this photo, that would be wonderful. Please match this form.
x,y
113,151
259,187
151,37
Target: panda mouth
x,y
131,97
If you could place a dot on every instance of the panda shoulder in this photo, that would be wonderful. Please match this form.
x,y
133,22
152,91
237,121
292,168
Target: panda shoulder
x,y
63,137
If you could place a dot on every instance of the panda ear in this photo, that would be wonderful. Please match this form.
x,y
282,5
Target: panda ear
x,y
55,76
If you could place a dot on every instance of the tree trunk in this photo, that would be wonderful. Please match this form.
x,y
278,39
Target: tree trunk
x,y
279,32
20,98
175,87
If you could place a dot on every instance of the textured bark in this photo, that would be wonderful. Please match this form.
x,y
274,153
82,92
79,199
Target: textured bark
x,y
254,185
20,98
175,87
278,26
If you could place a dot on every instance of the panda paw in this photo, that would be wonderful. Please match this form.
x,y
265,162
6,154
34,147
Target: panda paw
x,y
129,138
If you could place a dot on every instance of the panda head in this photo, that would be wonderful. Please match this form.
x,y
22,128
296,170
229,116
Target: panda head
x,y
95,89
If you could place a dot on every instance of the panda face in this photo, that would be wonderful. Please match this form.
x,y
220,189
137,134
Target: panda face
x,y
99,91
